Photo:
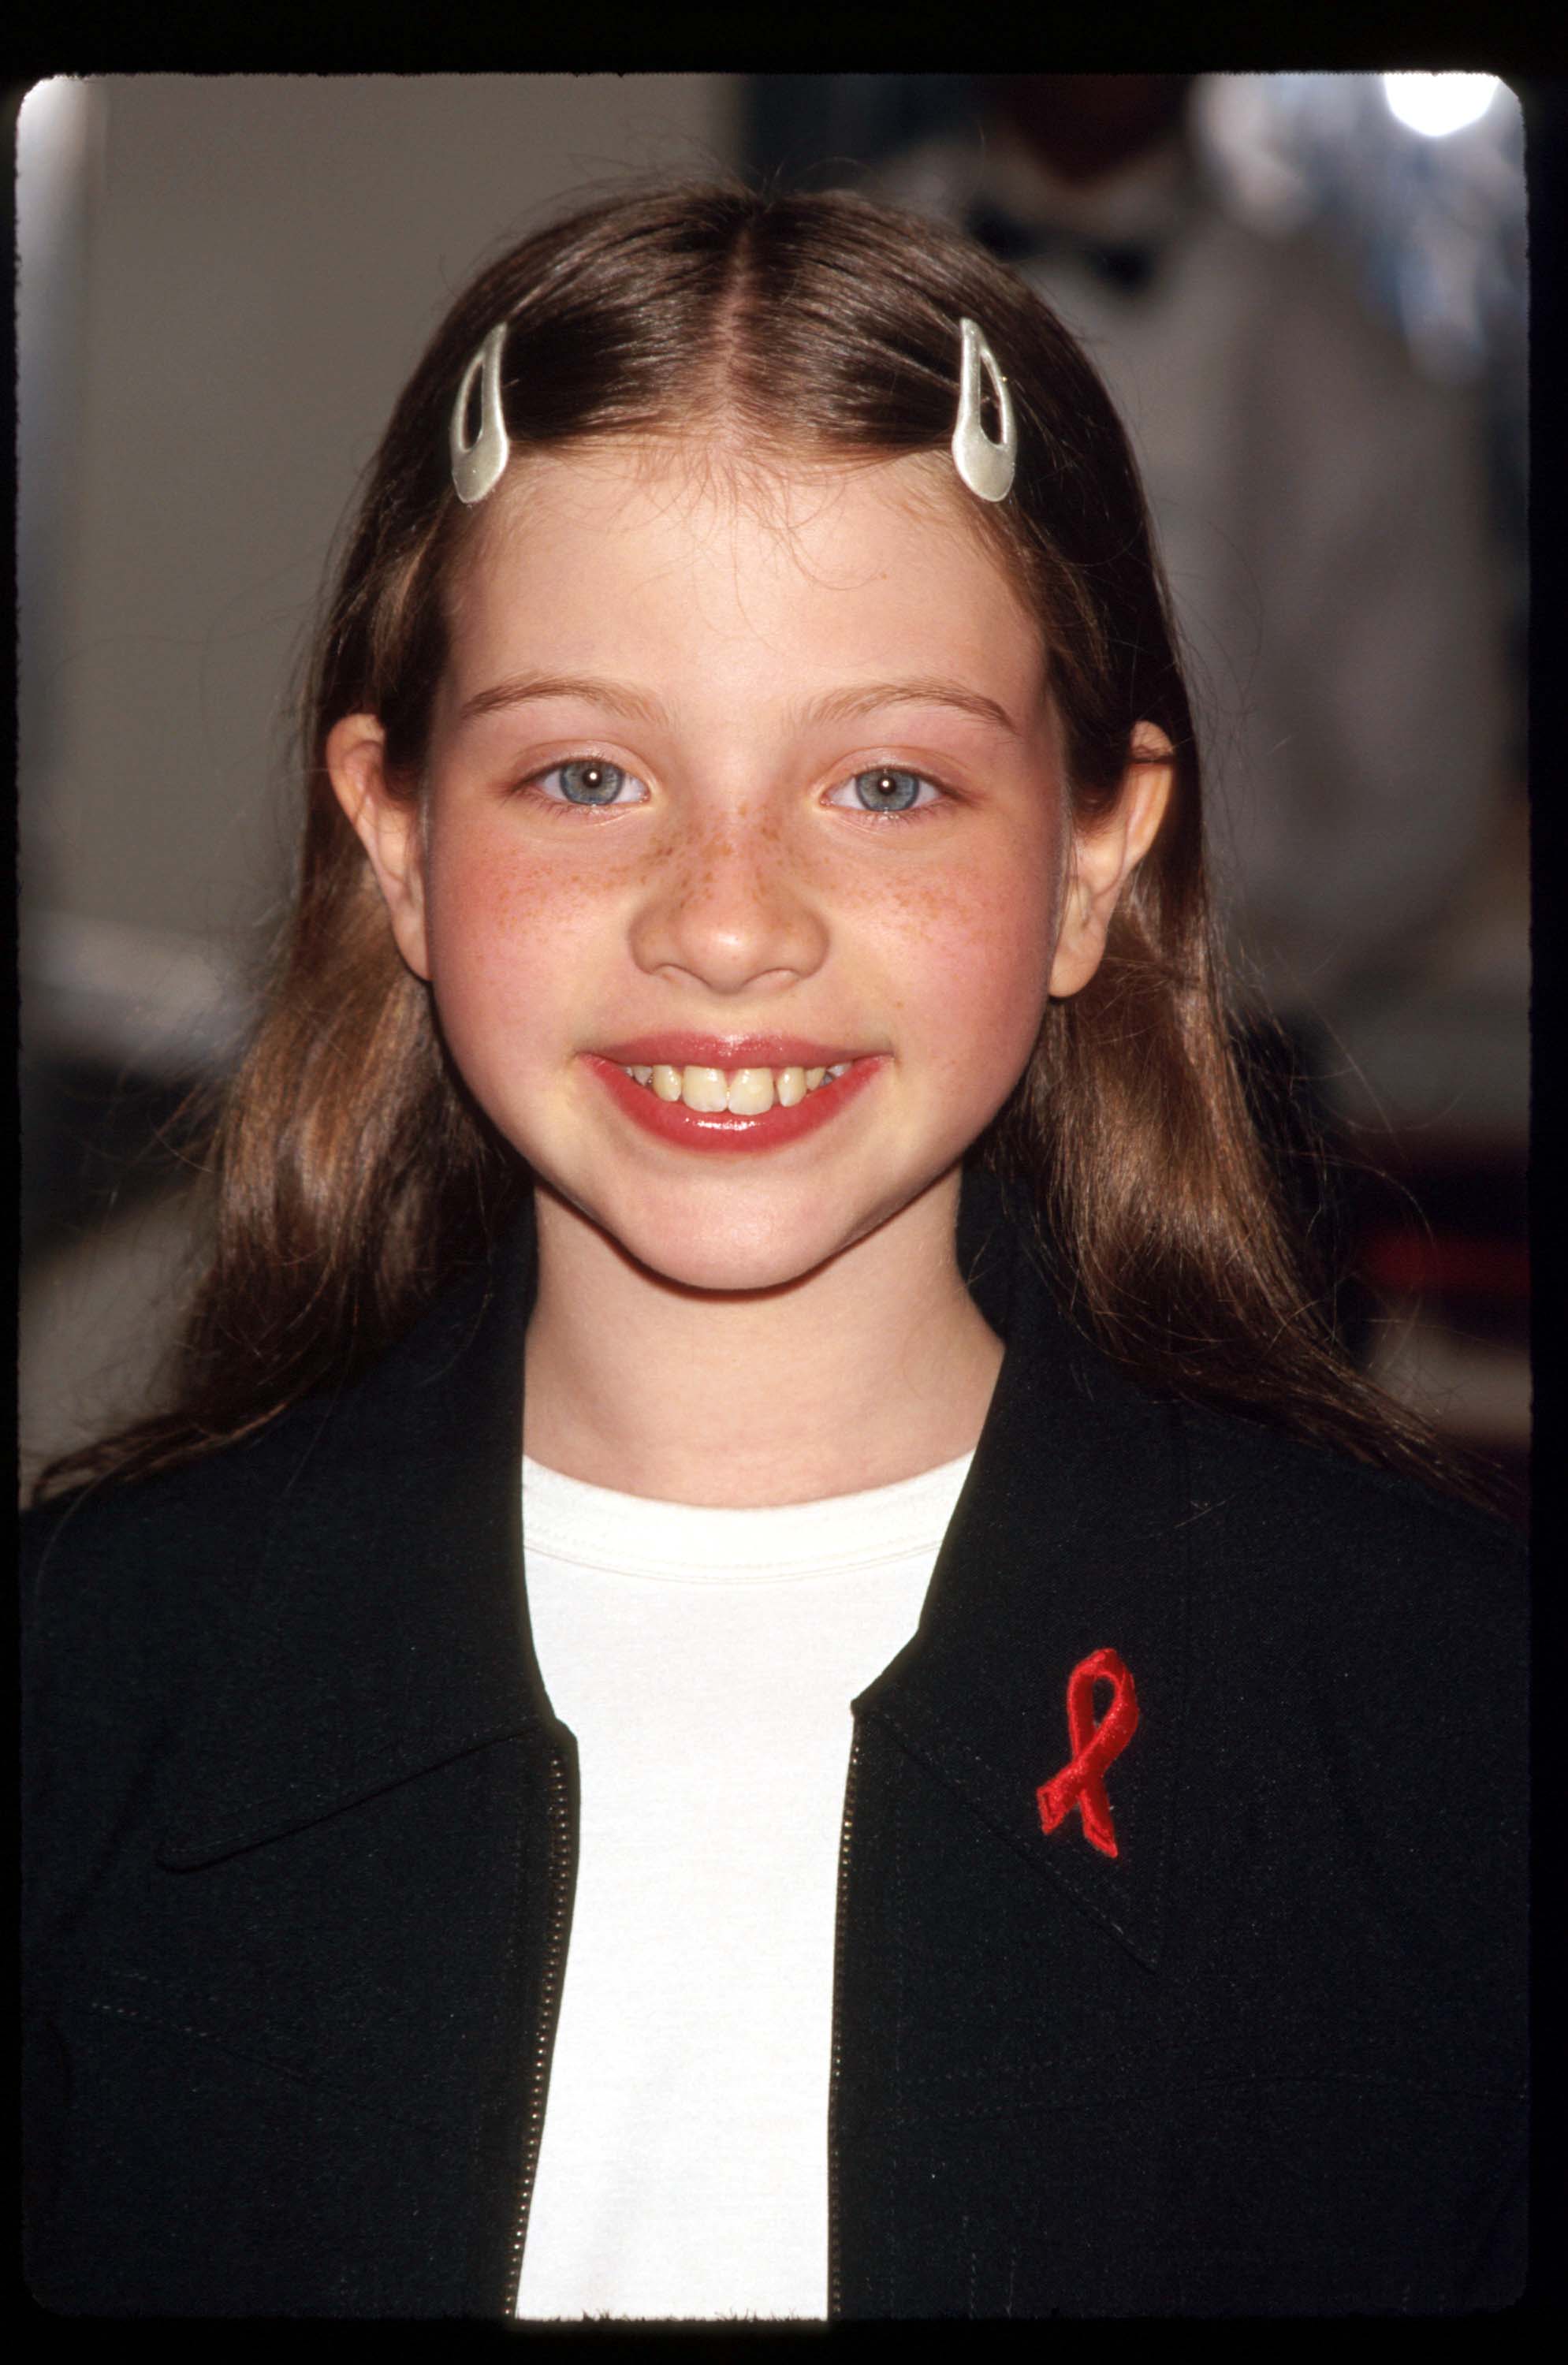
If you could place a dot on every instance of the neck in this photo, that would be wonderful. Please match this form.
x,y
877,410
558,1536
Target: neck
x,y
871,1369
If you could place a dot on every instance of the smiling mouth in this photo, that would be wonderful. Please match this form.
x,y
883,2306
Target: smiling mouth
x,y
743,1091
700,1107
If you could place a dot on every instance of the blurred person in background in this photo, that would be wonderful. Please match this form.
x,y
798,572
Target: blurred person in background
x,y
1324,509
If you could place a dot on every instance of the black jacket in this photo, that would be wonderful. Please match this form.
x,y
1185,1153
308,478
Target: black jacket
x,y
301,1831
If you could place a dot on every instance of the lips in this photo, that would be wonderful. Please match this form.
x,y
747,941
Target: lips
x,y
709,1131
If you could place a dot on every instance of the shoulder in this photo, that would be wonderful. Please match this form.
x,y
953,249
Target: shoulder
x,y
1311,1501
1350,1554
170,1555
116,1564
1370,1637
1390,1615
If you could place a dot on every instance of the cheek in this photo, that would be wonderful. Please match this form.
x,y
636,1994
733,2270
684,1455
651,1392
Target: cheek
x,y
974,958
500,936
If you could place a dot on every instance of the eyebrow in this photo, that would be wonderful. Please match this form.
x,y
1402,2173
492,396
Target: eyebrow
x,y
935,690
595,692
837,706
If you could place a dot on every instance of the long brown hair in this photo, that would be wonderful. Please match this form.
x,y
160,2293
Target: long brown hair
x,y
349,1176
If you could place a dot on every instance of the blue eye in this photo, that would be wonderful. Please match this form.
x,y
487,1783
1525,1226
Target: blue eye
x,y
886,790
588,780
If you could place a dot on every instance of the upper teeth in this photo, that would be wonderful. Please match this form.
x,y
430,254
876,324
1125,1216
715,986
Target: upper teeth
x,y
745,1092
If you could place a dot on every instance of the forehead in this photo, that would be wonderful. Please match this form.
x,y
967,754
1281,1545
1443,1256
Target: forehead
x,y
677,546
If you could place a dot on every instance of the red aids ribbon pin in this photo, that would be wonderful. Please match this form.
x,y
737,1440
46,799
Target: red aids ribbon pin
x,y
1093,1747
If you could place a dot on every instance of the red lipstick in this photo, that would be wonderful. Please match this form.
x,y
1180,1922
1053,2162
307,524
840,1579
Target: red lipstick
x,y
673,1122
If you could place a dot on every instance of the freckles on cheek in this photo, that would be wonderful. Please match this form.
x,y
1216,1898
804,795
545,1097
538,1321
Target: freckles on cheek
x,y
976,960
497,937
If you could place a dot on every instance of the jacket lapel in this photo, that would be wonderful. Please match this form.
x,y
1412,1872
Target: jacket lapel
x,y
1068,1539
386,1630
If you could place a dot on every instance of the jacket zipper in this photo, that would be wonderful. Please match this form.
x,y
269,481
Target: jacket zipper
x,y
835,2275
560,1863
560,1896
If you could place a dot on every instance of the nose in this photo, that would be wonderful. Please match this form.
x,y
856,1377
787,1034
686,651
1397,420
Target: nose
x,y
729,909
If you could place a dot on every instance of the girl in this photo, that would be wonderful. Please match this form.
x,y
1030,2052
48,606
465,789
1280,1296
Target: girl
x,y
769,1666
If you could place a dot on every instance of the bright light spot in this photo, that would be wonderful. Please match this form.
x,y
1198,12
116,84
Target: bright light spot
x,y
47,104
52,137
1437,104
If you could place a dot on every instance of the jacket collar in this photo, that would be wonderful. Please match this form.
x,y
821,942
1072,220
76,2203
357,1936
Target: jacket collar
x,y
1069,1537
385,1631
388,1626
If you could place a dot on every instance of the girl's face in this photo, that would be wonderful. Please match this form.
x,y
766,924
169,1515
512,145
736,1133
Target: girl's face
x,y
722,761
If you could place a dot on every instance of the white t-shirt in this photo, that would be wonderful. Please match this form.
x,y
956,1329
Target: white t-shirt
x,y
705,1661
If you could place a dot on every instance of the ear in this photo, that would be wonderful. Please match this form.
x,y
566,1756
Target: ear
x,y
1104,858
387,827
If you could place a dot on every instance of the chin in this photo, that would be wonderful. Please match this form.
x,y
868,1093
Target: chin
x,y
767,1253
730,1267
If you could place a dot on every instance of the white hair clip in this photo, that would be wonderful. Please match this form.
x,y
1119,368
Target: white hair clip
x,y
986,467
478,467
